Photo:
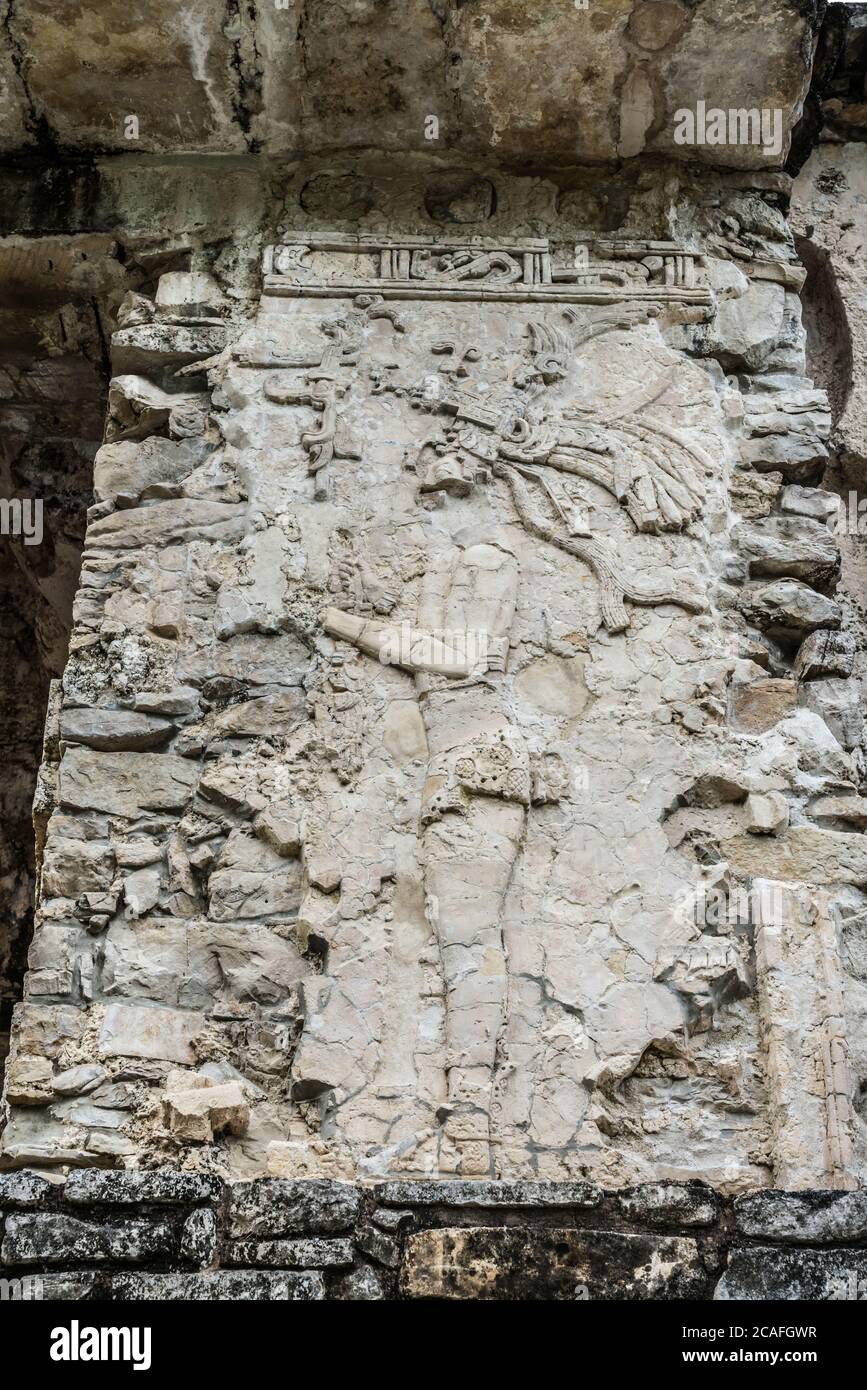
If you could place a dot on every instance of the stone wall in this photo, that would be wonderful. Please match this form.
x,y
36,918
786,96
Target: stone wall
x,y
177,1236
451,631
457,766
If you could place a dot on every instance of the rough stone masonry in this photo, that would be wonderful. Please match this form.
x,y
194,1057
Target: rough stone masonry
x,y
447,874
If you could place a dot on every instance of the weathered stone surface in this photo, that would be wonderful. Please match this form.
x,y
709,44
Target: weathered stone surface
x,y
382,1248
312,1253
277,1207
196,1109
479,1262
792,546
762,1272
667,1204
94,1187
814,1218
810,501
219,1285
852,809
363,1285
269,80
113,730
43,1238
787,609
825,654
149,347
23,1189
802,854
167,523
199,1237
128,472
125,785
29,1080
489,1194
840,703
767,813
443,570
131,1030
759,705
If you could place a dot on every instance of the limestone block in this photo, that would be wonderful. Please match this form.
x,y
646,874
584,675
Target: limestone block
x,y
810,501
52,1238
541,1262
96,1187
803,854
281,828
795,547
787,609
767,813
763,1272
803,1219
312,1253
114,730
133,1030
124,784
221,1285
129,472
281,1207
852,809
839,703
759,705
196,1109
825,653
168,523
29,1080
187,293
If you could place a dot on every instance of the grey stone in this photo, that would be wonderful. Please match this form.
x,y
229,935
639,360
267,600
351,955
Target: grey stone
x,y
114,729
69,1288
147,347
670,1204
97,1187
220,1285
363,1285
796,458
199,1237
794,547
839,703
378,1245
825,654
183,700
79,1080
277,1206
52,1238
541,1262
810,501
393,1220
23,1189
807,1218
765,1272
123,784
312,1253
489,1194
168,523
129,471
787,609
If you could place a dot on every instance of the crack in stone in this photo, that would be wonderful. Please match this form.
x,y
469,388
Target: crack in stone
x,y
246,67
35,121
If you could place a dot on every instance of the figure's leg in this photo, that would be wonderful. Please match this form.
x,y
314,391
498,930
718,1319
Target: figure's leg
x,y
468,867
